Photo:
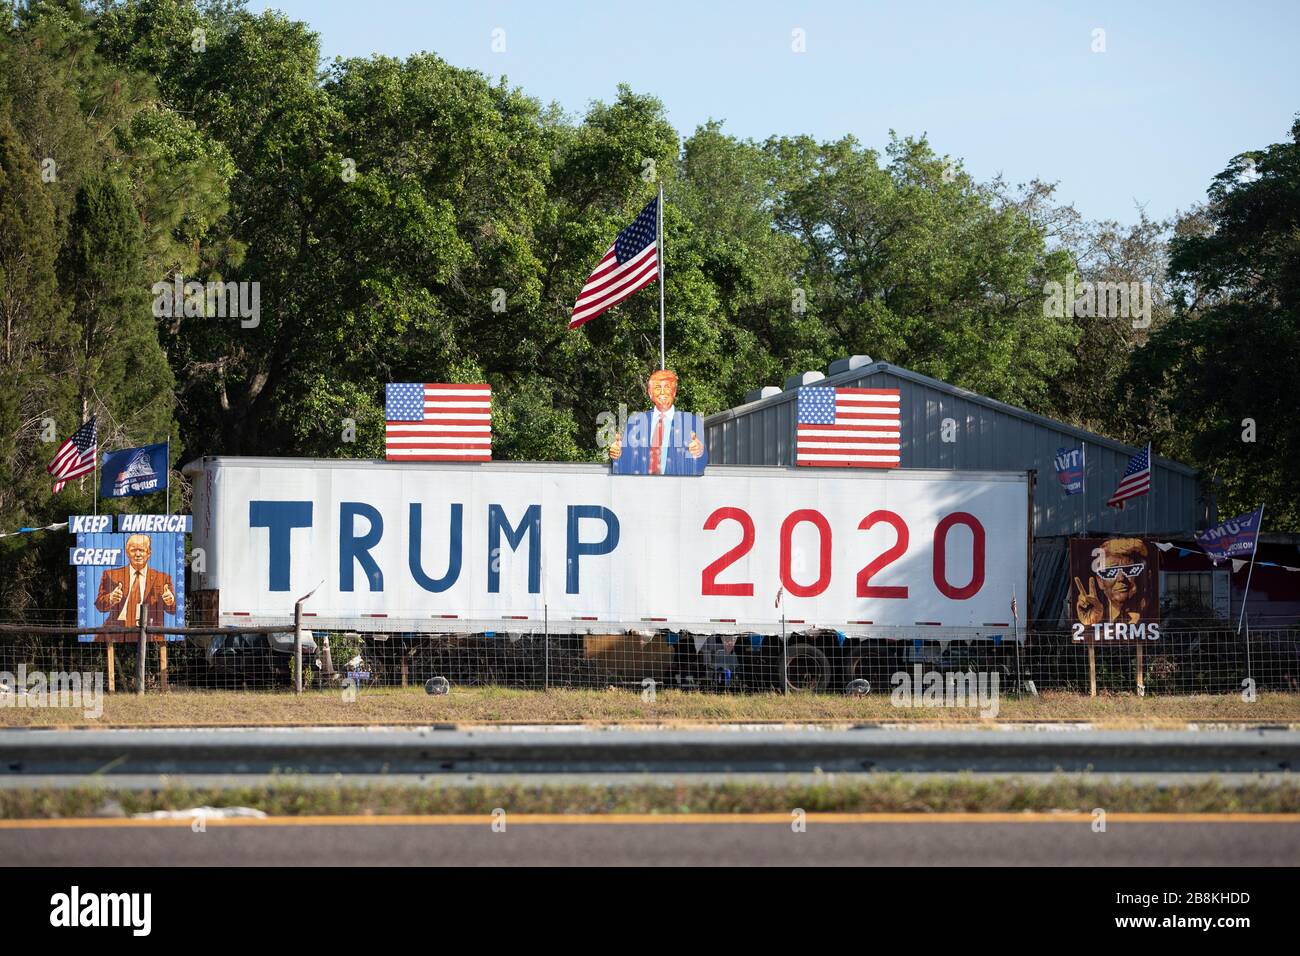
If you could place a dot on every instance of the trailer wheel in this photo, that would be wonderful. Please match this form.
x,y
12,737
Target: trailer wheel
x,y
807,668
861,665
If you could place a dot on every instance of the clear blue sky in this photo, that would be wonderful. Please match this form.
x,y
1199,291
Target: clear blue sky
x,y
1007,87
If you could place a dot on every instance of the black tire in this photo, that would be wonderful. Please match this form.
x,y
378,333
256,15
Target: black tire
x,y
859,666
873,661
807,669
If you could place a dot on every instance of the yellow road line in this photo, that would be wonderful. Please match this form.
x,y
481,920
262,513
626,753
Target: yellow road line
x,y
646,819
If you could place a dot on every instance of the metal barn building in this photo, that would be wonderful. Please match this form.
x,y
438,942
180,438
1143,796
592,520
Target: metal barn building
x,y
987,435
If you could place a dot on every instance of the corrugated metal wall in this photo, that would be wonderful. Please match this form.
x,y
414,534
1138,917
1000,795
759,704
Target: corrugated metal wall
x,y
988,436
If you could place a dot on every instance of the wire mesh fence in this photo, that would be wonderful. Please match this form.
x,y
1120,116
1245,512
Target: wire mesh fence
x,y
1189,658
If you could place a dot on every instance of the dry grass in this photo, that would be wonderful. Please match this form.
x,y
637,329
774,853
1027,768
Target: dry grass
x,y
888,794
499,705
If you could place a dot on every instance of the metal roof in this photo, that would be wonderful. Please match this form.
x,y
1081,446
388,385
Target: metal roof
x,y
953,428
876,368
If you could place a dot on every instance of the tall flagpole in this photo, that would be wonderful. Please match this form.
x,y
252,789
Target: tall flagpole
x,y
168,465
1151,492
1084,455
663,363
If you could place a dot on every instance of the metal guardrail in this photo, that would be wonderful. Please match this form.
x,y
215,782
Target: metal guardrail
x,y
449,751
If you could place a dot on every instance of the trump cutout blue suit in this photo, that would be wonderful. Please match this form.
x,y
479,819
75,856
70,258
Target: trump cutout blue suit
x,y
635,459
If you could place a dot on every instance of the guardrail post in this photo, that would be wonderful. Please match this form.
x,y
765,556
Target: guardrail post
x,y
139,660
297,639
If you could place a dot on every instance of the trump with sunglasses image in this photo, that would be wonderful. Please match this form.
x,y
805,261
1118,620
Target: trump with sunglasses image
x,y
1122,586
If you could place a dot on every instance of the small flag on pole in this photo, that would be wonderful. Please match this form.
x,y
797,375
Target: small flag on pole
x,y
134,471
631,263
1069,469
75,457
848,427
438,422
1136,481
1015,609
1234,538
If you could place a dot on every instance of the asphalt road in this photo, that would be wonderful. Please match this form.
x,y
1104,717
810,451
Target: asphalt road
x,y
600,842
448,756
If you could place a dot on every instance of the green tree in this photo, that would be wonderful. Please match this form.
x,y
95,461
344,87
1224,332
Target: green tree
x,y
36,390
95,200
728,193
119,367
37,337
909,260
1228,357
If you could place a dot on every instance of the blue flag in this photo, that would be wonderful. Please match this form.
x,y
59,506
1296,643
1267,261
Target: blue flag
x,y
1069,469
1234,538
134,471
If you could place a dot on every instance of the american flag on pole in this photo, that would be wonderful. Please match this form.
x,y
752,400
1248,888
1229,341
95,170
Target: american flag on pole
x,y
1136,480
438,422
848,427
631,263
75,457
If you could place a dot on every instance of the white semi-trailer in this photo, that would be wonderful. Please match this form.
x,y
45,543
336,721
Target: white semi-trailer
x,y
527,547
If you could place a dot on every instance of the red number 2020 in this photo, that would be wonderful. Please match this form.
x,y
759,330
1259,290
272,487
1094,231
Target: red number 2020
x,y
709,576
887,557
818,520
941,556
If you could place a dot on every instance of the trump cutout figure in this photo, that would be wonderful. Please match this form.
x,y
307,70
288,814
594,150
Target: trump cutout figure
x,y
662,441
123,591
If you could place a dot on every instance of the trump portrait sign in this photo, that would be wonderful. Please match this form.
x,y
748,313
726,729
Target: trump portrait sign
x,y
137,571
1114,590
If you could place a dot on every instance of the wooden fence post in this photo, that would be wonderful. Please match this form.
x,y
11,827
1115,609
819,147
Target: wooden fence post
x,y
139,660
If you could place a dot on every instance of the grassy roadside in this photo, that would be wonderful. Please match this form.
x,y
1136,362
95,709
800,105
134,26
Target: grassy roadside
x,y
888,794
502,705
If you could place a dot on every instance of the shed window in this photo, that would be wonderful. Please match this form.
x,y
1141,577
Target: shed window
x,y
1194,593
